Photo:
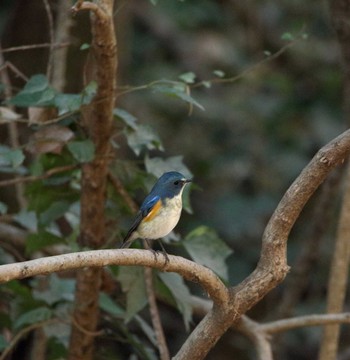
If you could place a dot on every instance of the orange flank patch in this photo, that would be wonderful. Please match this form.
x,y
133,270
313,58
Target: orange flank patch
x,y
154,211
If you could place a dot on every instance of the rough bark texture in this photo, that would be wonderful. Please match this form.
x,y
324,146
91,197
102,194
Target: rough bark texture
x,y
98,123
337,284
272,267
229,303
338,279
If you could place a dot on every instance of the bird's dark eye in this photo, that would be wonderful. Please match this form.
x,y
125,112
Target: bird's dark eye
x,y
176,182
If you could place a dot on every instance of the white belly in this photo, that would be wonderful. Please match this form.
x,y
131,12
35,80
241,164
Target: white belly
x,y
164,222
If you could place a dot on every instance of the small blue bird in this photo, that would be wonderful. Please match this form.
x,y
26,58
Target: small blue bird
x,y
160,211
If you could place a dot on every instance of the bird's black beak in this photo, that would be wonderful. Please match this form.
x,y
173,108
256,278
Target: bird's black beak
x,y
186,181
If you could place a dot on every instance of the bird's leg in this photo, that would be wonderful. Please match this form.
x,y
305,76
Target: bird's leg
x,y
150,248
164,252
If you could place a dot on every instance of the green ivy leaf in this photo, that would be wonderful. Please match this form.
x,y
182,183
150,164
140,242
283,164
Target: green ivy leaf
x,y
83,151
54,211
132,281
27,219
108,305
36,92
219,73
19,289
129,120
33,316
3,343
287,36
206,248
148,331
89,92
84,46
72,102
206,84
67,103
3,208
181,294
40,240
157,166
58,290
143,137
178,92
188,77
13,158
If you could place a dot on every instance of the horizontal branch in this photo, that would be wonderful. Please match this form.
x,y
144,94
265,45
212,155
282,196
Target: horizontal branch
x,y
44,176
36,46
304,321
191,271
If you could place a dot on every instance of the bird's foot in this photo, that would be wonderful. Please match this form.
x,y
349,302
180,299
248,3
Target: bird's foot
x,y
156,252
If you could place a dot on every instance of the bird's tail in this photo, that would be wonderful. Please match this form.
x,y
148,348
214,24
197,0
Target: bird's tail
x,y
125,244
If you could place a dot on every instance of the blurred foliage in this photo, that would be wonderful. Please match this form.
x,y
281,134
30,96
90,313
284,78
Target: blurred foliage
x,y
196,91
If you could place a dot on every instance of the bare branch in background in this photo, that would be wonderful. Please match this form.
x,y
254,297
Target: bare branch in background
x,y
36,46
298,280
46,175
338,279
12,130
51,35
272,266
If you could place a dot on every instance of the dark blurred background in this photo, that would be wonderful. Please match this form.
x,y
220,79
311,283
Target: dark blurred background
x,y
255,135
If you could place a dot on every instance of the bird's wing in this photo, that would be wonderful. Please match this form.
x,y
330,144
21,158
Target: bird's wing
x,y
150,207
148,210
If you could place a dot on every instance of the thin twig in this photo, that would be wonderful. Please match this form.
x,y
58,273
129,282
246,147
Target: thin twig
x,y
156,321
13,131
44,176
304,321
52,37
129,89
85,331
148,275
120,189
13,68
22,333
249,69
260,334
260,339
63,26
36,46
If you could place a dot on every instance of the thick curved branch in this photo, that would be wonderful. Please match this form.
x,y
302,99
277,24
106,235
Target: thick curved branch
x,y
261,333
272,267
338,277
191,271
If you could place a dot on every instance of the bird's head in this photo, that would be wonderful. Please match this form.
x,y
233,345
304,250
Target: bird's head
x,y
170,184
